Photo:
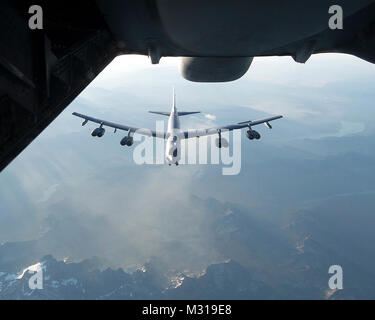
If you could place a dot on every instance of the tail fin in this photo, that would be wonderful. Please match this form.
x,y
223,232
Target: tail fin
x,y
174,96
174,106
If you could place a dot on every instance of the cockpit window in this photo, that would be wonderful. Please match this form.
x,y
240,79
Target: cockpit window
x,y
175,138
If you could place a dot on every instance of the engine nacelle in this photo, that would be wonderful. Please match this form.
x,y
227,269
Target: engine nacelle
x,y
127,141
98,132
221,143
252,134
214,69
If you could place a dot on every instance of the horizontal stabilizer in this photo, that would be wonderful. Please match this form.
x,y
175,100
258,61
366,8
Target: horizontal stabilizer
x,y
161,113
180,114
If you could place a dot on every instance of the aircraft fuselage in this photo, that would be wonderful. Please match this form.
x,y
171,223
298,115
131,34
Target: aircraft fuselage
x,y
173,145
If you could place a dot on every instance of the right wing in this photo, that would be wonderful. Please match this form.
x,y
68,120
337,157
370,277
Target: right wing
x,y
142,131
193,133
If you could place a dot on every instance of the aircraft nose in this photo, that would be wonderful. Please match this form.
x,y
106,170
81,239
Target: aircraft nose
x,y
172,155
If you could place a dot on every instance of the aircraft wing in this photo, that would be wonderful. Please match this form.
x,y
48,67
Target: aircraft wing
x,y
142,131
193,133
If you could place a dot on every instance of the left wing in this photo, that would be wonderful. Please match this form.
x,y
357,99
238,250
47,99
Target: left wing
x,y
143,131
193,133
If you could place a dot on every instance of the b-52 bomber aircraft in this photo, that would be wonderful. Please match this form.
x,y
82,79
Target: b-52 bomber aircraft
x,y
174,134
48,56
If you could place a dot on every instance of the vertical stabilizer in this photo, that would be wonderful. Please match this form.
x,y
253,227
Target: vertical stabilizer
x,y
174,109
